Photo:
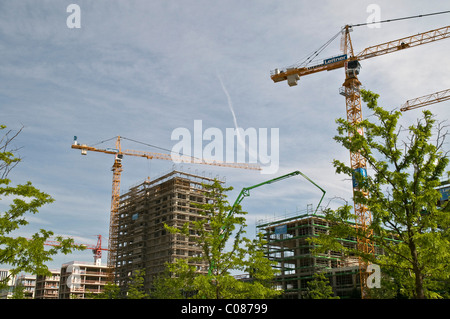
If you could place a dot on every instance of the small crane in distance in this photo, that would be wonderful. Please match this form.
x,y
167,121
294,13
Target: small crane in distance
x,y
96,250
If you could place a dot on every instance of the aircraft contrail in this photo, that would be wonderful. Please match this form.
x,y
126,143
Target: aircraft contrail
x,y
230,106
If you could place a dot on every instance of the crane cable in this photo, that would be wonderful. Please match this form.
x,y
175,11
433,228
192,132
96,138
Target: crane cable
x,y
163,149
150,145
313,55
129,139
398,19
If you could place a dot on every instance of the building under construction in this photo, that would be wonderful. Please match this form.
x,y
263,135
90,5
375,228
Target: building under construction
x,y
143,242
288,246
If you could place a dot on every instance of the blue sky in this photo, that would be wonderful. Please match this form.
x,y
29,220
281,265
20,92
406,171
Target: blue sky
x,y
141,69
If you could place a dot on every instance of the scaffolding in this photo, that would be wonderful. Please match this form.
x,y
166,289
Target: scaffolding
x,y
287,245
143,242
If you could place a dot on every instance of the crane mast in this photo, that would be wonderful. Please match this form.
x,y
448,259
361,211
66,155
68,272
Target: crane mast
x,y
117,171
115,199
352,93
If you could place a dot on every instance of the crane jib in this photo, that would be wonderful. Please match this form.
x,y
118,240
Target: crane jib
x,y
332,60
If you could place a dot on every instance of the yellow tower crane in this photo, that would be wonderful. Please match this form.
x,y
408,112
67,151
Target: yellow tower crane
x,y
117,171
425,100
351,91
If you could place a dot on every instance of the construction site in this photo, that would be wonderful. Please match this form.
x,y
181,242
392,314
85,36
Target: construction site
x,y
145,245
138,240
287,244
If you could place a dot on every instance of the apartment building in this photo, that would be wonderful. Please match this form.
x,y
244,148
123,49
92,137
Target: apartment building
x,y
28,282
81,279
47,287
5,275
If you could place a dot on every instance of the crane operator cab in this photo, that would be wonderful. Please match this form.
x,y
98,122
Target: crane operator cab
x,y
119,158
353,68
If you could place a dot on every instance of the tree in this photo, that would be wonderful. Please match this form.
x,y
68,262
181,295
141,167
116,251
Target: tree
x,y
212,233
177,282
134,290
23,254
110,291
319,288
404,170
136,286
18,291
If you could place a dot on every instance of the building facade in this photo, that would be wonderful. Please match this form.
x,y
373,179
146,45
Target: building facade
x,y
143,242
28,282
7,278
287,245
47,287
444,189
81,279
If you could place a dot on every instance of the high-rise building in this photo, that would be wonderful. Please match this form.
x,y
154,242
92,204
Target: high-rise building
x,y
143,242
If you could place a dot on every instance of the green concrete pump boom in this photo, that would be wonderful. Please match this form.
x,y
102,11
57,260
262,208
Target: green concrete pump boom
x,y
246,190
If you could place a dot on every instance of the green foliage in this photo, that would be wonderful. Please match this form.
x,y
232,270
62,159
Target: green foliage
x,y
319,288
169,286
135,289
136,286
224,249
110,291
18,291
404,166
23,254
